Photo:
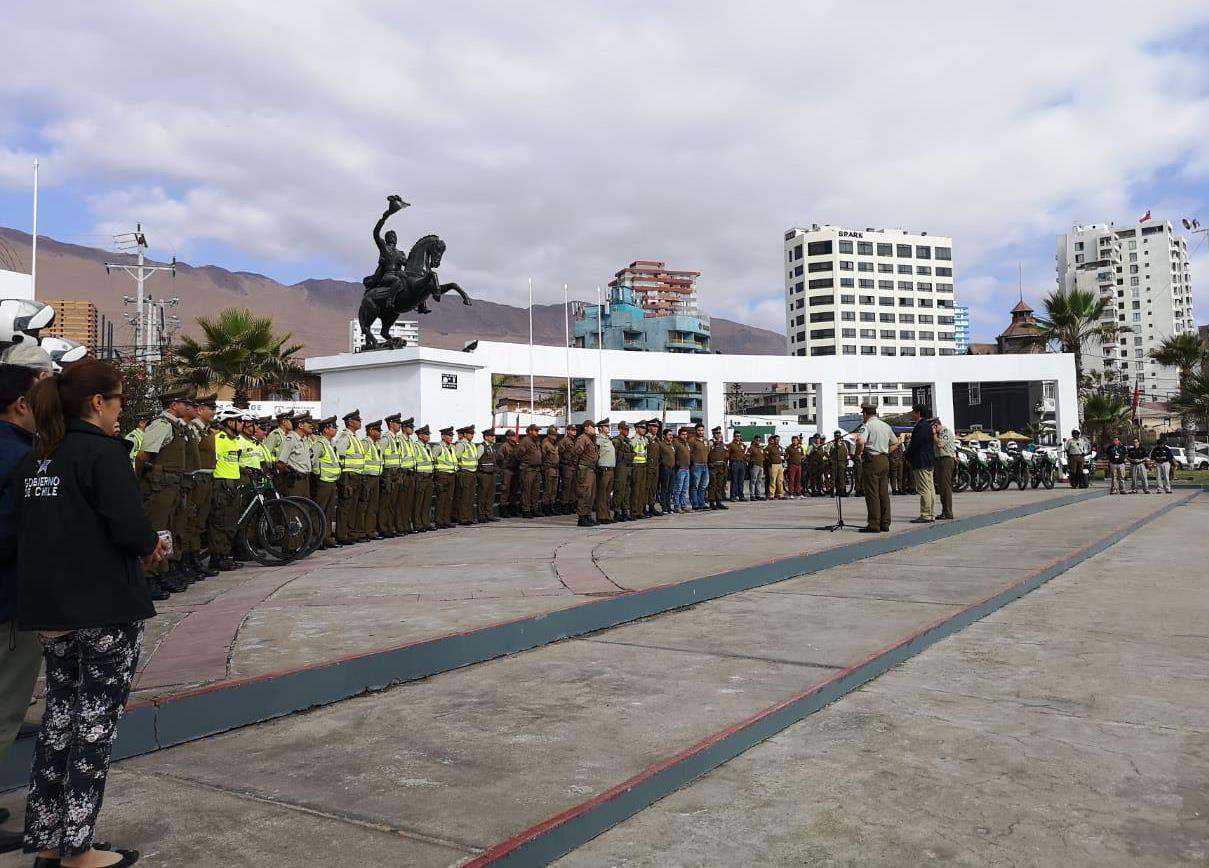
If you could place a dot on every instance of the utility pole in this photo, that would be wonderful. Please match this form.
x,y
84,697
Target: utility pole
x,y
148,315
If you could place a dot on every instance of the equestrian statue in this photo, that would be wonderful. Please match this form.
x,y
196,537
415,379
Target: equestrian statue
x,y
402,281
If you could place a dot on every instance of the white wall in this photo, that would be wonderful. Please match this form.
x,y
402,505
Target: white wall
x,y
409,380
14,284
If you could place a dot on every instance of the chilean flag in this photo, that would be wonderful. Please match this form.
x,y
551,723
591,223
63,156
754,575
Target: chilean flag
x,y
1145,216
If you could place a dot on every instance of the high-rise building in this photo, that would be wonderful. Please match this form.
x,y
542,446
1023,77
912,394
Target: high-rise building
x,y
1143,271
657,289
871,292
408,330
961,328
76,320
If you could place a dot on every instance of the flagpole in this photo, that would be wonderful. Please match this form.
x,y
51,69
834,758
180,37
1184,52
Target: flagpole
x,y
531,408
33,266
600,387
567,326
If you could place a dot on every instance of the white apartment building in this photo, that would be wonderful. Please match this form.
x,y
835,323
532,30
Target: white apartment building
x,y
408,330
1143,269
871,292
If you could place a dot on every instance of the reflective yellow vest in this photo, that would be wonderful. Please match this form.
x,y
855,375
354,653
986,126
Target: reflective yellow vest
x,y
227,452
373,458
353,459
329,464
446,460
392,452
639,450
250,458
409,452
136,442
469,458
423,457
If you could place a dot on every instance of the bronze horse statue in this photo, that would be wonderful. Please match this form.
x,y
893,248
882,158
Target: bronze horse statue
x,y
402,282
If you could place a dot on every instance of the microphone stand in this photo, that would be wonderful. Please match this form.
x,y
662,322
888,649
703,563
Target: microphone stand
x,y
837,474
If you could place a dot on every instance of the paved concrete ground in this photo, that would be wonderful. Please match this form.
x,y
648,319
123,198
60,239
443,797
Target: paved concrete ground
x,y
1069,728
260,620
433,772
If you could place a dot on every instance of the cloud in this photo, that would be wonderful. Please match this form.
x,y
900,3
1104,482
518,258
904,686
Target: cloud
x,y
564,141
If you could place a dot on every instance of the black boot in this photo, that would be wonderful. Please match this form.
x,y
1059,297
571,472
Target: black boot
x,y
173,581
721,505
586,521
207,571
158,592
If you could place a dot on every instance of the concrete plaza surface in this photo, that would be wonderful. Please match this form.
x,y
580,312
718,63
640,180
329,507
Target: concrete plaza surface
x,y
1070,728
386,593
438,771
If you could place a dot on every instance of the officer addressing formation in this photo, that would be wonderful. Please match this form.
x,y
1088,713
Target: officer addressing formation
x,y
388,478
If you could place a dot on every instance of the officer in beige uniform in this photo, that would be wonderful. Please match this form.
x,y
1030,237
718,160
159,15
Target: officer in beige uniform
x,y
874,440
293,460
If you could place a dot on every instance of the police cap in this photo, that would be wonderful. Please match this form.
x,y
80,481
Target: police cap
x,y
447,432
329,422
355,414
466,429
423,430
375,425
393,417
488,432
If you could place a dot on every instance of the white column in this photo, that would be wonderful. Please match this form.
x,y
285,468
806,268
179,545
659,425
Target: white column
x,y
713,403
1067,411
598,398
942,401
480,390
826,406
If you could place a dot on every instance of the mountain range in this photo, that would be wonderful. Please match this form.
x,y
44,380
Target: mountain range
x,y
316,311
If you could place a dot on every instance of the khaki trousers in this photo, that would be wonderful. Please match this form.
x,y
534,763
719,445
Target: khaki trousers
x,y
19,666
924,484
945,468
876,480
776,480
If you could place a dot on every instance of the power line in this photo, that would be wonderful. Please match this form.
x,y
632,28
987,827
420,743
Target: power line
x,y
149,321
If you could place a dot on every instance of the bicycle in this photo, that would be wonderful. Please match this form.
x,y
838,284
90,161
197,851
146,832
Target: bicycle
x,y
275,530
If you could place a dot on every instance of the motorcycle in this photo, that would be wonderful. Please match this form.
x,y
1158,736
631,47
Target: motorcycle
x,y
1043,469
1000,469
1019,468
977,470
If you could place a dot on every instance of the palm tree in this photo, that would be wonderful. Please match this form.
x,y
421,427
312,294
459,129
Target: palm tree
x,y
669,392
241,351
1105,413
1071,319
1193,398
1185,353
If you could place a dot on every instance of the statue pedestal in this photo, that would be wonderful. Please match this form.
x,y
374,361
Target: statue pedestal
x,y
437,387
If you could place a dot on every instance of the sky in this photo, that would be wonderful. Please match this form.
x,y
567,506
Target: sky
x,y
559,141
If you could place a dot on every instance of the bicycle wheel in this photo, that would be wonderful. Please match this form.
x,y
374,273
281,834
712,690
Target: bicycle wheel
x,y
280,528
318,523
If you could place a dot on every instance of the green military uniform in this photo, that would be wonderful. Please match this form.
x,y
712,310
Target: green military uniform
x,y
466,483
896,472
654,462
445,468
529,461
351,453
485,476
388,501
325,476
550,471
585,471
421,517
405,503
160,483
815,454
371,493
184,516
716,457
566,472
623,473
639,445
203,490
508,457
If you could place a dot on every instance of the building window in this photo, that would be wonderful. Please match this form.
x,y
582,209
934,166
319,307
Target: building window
x,y
945,336
847,282
905,269
824,265
906,335
948,351
923,286
889,351
820,300
848,316
864,266
885,284
867,350
801,351
823,316
907,351
822,283
864,248
906,302
890,400
927,351
847,333
821,334
800,337
818,248
797,252
847,299
845,247
887,334
944,287
925,302
905,284
944,320
941,271
822,351
799,286
904,250
868,334
866,299
885,301
865,283
868,316
799,320
906,317
797,272
925,318
850,349
885,267
850,400
885,249
885,317
845,265
927,336
924,269
923,252
945,253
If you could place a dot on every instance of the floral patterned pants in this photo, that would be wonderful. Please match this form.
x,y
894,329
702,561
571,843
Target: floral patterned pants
x,y
88,676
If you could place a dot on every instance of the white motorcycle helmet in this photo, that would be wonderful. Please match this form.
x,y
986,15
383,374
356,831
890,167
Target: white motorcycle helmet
x,y
228,413
63,351
21,319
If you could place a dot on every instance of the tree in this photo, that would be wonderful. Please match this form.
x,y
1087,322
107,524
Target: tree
x,y
141,390
1186,354
241,351
499,382
668,393
1105,413
1193,397
1072,318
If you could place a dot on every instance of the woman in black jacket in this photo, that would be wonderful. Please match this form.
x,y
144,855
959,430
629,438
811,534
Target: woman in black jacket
x,y
83,539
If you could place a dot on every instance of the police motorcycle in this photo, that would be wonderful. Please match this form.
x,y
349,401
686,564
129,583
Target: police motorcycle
x,y
973,470
1018,464
1043,468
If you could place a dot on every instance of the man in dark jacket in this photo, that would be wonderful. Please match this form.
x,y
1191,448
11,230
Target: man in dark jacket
x,y
1116,466
20,652
921,455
